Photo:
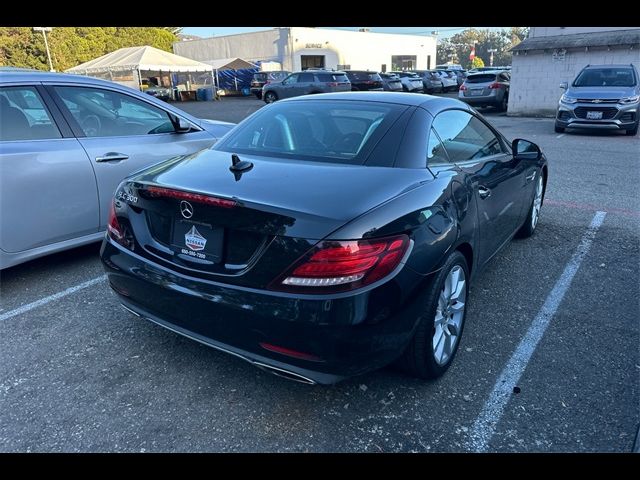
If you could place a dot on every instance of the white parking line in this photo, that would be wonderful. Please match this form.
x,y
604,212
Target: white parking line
x,y
485,425
560,136
51,298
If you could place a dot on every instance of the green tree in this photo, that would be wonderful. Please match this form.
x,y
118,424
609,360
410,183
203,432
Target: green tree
x,y
446,51
477,62
70,46
458,47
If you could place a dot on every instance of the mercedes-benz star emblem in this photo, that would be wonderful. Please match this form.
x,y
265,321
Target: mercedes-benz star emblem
x,y
186,209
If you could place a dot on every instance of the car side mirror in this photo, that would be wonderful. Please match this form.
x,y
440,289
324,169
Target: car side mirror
x,y
525,150
564,85
182,126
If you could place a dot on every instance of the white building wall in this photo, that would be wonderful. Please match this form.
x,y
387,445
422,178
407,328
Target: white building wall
x,y
360,50
536,76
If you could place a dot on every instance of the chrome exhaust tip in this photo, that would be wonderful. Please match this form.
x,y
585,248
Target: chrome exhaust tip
x,y
296,377
130,311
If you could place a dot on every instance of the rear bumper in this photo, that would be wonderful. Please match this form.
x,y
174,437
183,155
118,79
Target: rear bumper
x,y
348,335
492,99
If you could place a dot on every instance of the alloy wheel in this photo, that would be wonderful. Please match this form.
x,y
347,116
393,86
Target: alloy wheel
x,y
449,315
537,203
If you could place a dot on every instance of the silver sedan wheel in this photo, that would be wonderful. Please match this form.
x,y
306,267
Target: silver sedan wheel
x,y
449,315
537,203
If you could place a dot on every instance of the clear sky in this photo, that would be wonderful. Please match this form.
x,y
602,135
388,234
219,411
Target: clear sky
x,y
444,32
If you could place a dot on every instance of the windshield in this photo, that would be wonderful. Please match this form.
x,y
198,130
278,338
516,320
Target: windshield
x,y
606,77
332,77
364,76
323,131
481,78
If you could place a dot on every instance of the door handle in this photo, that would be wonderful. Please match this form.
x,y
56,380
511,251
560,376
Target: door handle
x,y
112,157
484,192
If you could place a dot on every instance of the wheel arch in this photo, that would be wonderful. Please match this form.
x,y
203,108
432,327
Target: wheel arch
x,y
467,251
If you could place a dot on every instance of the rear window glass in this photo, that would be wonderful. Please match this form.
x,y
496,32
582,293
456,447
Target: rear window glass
x,y
332,77
323,131
277,75
260,77
364,76
605,77
408,74
482,78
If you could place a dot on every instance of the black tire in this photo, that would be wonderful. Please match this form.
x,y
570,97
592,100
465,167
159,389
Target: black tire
x,y
529,225
634,130
270,97
355,89
418,359
558,128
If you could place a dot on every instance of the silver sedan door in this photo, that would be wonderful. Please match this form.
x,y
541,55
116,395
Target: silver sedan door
x,y
48,189
122,134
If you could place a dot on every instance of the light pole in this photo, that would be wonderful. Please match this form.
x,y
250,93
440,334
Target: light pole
x,y
44,31
491,50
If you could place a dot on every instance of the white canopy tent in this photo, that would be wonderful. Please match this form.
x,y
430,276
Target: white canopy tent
x,y
126,64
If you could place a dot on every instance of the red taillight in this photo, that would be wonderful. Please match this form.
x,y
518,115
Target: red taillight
x,y
462,88
495,85
113,227
191,197
332,84
344,265
290,353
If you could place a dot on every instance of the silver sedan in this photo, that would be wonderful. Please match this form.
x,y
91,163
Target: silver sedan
x,y
66,141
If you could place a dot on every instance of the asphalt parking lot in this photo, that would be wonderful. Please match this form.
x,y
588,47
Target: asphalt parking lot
x,y
79,374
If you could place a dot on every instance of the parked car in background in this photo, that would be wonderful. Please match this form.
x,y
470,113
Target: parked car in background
x,y
461,76
449,80
486,89
411,82
260,79
69,140
449,66
364,80
431,81
488,69
242,248
391,82
601,97
305,83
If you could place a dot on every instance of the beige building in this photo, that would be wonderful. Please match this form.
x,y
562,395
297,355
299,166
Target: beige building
x,y
299,48
551,55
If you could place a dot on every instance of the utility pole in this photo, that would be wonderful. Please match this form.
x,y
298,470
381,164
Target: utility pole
x,y
491,50
44,31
